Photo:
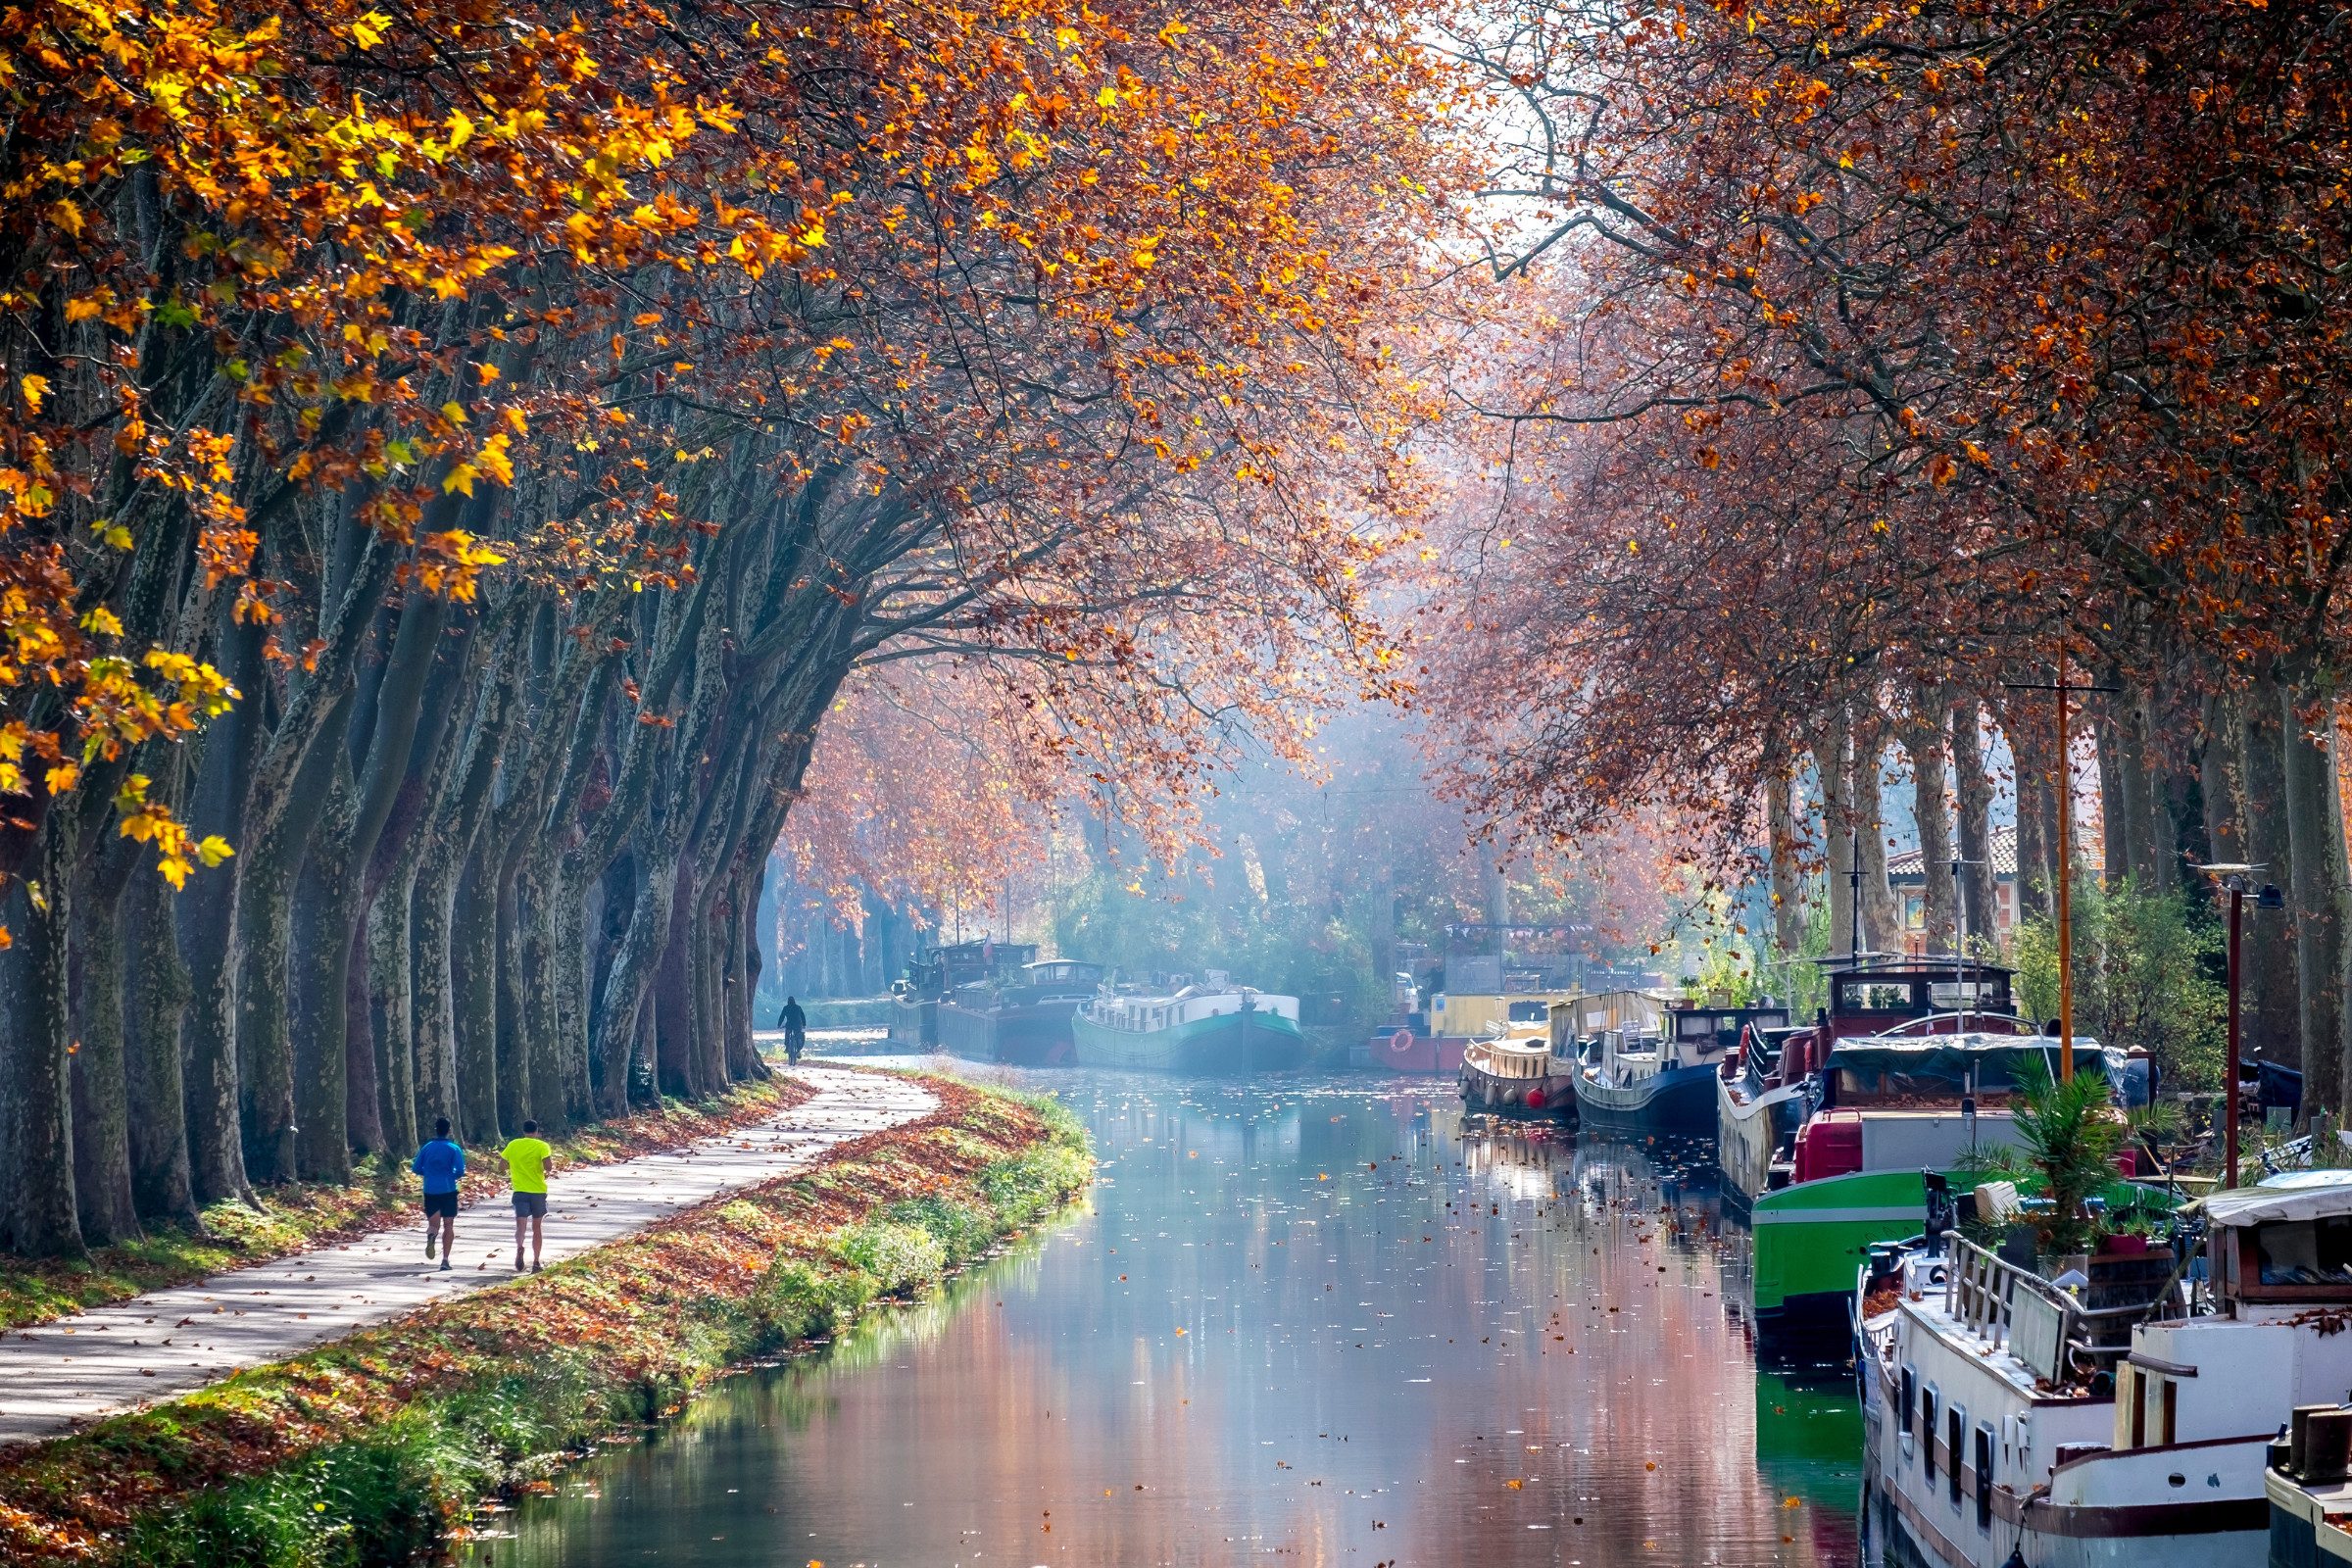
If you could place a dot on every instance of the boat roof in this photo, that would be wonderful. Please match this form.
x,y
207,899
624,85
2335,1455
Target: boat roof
x,y
1941,966
1065,963
1958,1054
2291,1196
1151,998
1755,1010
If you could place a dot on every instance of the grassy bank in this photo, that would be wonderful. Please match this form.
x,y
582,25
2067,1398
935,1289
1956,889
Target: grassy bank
x,y
299,1215
365,1451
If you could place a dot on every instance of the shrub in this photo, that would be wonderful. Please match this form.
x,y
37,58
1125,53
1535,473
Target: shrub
x,y
899,1257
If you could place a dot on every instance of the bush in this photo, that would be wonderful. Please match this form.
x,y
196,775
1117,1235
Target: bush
x,y
962,1232
2149,973
899,1257
1028,1186
365,1504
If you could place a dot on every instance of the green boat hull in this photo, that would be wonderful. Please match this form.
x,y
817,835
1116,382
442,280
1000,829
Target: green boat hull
x,y
1219,1045
1812,1238
1811,1241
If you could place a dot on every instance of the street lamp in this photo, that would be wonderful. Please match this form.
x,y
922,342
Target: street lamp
x,y
2236,880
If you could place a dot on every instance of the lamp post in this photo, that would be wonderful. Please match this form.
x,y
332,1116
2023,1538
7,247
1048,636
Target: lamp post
x,y
2235,880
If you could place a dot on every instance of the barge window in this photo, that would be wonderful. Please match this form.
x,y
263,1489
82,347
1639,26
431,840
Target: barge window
x,y
2306,1252
1984,1477
1910,1395
1881,996
1926,1432
1955,1423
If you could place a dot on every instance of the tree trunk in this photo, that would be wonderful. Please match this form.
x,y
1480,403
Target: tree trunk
x,y
264,947
1834,780
2322,900
674,1063
2119,852
1932,811
1784,855
326,897
362,1094
158,990
391,1015
2271,984
567,925
621,1009
515,1091
473,996
102,1181
1979,905
2036,761
208,1024
36,1114
1881,925
2219,723
2150,833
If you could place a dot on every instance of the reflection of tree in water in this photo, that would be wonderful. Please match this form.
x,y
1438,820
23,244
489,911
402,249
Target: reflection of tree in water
x,y
1405,1311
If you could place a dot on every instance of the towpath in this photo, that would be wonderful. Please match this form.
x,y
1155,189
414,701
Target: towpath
x,y
57,1376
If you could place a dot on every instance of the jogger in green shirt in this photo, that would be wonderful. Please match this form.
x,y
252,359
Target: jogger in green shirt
x,y
528,1161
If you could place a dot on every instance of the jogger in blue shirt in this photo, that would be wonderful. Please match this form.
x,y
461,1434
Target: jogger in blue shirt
x,y
440,1162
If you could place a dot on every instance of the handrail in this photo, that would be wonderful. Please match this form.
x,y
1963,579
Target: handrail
x,y
1980,1287
1909,1025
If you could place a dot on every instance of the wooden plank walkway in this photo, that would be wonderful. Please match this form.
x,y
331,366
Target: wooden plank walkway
x,y
57,1376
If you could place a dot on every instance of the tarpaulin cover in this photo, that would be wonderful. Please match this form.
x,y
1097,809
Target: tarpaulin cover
x,y
1940,1066
2295,1194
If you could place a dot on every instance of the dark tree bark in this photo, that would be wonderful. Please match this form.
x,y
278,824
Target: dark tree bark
x,y
265,948
157,992
2272,984
2035,751
1972,786
2321,898
101,1089
36,1116
1882,923
1831,777
1933,815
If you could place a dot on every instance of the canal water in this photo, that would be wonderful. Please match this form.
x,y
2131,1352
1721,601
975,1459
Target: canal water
x,y
1301,1320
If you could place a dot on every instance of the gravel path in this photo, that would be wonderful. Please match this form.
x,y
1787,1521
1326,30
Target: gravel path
x,y
57,1376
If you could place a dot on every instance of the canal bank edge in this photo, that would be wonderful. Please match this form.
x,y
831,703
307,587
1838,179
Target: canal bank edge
x,y
373,1449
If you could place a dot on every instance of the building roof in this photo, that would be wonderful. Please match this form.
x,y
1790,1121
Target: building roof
x,y
1906,866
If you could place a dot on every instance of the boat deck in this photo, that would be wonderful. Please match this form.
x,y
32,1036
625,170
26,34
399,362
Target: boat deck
x,y
1964,1337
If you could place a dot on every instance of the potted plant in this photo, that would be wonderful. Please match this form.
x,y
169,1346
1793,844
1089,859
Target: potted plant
x,y
2070,1134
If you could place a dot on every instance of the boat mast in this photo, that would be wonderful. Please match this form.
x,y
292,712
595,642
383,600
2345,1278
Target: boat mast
x,y
2066,857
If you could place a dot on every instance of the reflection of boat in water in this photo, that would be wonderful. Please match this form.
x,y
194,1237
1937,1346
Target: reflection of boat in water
x,y
1809,1453
1809,1435
1661,1077
1021,1018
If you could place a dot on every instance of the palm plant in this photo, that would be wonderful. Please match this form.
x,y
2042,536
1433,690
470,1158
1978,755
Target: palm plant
x,y
2071,1135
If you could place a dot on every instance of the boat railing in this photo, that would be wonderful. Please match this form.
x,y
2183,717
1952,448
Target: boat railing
x,y
2014,1309
1927,1025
